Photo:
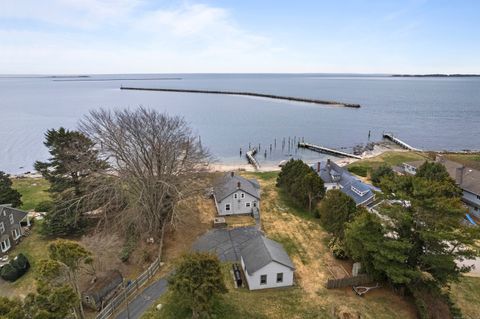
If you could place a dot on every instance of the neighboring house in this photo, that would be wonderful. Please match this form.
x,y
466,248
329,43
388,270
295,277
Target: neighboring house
x,y
235,195
468,179
11,220
102,290
336,177
266,264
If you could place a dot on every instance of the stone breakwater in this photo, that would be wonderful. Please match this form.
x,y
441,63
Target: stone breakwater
x,y
262,95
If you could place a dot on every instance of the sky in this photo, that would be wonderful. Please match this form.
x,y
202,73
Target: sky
x,y
245,36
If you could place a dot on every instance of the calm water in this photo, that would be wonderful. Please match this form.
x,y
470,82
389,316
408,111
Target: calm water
x,y
429,113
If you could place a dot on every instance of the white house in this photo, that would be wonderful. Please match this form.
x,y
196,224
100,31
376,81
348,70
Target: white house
x,y
411,167
266,264
236,195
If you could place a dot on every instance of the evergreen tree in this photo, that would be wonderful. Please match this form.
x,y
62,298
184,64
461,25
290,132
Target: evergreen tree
x,y
197,280
74,161
383,171
336,209
8,195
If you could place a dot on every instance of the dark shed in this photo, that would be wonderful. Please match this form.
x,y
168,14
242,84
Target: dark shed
x,y
102,289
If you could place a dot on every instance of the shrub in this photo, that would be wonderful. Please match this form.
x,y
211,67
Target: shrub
x,y
15,269
337,248
9,273
21,264
44,206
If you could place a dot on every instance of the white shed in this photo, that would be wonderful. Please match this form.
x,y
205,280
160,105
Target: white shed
x,y
266,264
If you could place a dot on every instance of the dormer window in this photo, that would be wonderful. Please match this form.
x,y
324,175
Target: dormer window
x,y
358,192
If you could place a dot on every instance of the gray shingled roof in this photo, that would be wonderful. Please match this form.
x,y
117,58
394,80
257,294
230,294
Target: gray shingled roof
x,y
261,251
471,177
228,184
5,212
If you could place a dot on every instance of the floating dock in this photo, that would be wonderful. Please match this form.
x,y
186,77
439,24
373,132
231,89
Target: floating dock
x,y
389,136
251,158
268,96
326,150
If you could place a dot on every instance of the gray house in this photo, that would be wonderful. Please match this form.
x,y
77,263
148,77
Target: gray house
x,y
266,264
11,220
468,179
236,195
336,177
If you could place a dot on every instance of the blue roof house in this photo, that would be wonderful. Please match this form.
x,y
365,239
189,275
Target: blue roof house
x,y
336,177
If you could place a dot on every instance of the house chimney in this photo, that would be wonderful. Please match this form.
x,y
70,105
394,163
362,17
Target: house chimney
x,y
238,185
232,174
459,175
318,167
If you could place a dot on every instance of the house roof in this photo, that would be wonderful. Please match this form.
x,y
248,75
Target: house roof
x,y
229,183
332,173
470,179
104,284
261,251
5,212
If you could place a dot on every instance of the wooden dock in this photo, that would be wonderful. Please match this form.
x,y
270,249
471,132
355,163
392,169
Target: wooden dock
x,y
391,137
326,150
251,158
268,96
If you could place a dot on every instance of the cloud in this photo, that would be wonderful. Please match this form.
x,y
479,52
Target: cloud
x,y
183,38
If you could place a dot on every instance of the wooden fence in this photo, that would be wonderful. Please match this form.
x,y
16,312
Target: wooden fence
x,y
348,281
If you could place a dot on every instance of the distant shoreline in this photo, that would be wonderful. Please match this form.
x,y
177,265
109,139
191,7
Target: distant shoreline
x,y
435,75
268,96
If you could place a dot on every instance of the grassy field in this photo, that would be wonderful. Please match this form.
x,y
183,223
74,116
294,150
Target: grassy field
x,y
392,158
466,294
33,190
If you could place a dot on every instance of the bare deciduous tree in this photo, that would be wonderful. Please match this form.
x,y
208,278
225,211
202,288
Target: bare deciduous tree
x,y
156,162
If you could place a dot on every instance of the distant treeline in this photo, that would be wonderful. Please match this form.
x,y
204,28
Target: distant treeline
x,y
436,75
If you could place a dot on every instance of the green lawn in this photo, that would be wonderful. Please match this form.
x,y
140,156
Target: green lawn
x,y
466,295
392,158
241,303
34,247
33,190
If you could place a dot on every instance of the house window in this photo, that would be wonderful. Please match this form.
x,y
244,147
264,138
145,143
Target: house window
x,y
254,204
227,207
242,195
248,204
478,196
16,234
280,277
235,195
11,219
263,279
2,227
5,245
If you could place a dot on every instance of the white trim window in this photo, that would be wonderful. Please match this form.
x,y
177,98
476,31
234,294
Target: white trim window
x,y
263,279
16,233
12,220
235,195
227,207
2,228
248,204
242,195
5,245
279,277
